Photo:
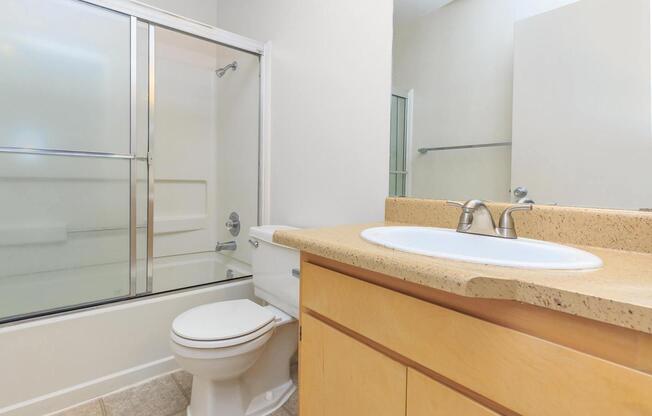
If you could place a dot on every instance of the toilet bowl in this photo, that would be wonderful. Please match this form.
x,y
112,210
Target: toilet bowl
x,y
238,351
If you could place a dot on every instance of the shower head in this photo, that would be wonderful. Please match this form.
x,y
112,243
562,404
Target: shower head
x,y
221,71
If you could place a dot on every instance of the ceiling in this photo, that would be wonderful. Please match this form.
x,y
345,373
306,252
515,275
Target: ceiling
x,y
406,10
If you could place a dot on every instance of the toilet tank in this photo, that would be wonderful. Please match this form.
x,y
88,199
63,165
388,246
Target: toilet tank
x,y
275,269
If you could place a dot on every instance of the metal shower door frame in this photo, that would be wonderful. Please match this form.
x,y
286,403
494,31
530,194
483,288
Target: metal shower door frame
x,y
153,17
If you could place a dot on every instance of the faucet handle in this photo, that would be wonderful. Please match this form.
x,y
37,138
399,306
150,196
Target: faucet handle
x,y
517,207
506,224
455,204
466,217
468,206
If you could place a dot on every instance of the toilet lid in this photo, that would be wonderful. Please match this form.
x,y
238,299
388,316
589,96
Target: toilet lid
x,y
222,320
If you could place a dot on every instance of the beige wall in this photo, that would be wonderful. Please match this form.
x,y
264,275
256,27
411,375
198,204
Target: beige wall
x,y
330,103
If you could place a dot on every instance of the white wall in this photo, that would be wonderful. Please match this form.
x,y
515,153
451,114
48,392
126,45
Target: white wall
x,y
459,60
529,8
330,104
582,113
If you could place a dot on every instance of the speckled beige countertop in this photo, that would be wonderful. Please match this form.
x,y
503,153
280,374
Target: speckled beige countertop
x,y
619,293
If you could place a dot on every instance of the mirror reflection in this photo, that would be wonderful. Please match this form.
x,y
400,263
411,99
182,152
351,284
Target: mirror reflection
x,y
523,100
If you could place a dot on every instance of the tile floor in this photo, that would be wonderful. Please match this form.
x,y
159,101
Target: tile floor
x,y
163,396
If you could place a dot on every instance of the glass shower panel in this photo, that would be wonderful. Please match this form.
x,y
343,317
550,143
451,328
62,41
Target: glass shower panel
x,y
400,135
392,185
140,149
64,77
65,96
77,149
397,147
141,226
393,138
205,152
64,232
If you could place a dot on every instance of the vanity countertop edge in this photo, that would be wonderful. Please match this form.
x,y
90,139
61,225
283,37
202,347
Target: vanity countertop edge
x,y
619,293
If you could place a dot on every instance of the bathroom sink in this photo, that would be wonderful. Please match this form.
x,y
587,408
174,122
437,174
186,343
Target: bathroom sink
x,y
444,243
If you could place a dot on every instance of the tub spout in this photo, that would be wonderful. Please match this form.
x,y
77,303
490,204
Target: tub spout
x,y
226,246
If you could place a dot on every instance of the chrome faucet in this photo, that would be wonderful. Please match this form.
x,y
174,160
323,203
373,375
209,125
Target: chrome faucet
x,y
226,246
477,219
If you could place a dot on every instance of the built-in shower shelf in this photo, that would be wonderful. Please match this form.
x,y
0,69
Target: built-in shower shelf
x,y
166,225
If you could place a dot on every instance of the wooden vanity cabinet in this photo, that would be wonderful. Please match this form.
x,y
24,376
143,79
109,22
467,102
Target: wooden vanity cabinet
x,y
366,349
346,377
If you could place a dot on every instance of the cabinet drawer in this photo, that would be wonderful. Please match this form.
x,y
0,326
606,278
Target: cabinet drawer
x,y
427,397
523,373
341,376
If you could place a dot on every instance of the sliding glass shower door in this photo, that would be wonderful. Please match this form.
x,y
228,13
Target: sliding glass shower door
x,y
67,156
123,152
205,151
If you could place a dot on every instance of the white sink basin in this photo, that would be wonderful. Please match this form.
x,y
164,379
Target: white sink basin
x,y
449,244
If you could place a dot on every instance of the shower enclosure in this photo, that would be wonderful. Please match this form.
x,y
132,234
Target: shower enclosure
x,y
122,153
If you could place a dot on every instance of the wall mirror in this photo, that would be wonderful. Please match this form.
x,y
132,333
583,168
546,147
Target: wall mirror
x,y
523,100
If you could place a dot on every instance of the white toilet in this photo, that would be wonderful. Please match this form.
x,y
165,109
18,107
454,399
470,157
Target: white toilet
x,y
238,351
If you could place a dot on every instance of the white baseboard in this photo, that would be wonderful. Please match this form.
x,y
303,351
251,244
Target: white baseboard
x,y
71,396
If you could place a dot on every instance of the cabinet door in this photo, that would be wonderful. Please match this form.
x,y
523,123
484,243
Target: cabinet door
x,y
427,397
341,376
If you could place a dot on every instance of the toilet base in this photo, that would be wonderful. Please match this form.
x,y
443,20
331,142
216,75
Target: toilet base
x,y
259,391
267,403
261,405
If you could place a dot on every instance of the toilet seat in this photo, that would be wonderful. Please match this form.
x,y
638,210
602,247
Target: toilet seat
x,y
222,324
